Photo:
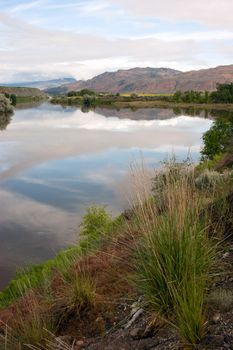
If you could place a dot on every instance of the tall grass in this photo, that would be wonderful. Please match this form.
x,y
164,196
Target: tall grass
x,y
175,254
56,290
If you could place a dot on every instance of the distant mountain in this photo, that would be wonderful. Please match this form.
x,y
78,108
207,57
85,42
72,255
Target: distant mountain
x,y
44,84
22,91
152,80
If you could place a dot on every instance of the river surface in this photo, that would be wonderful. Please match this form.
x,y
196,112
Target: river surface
x,y
56,161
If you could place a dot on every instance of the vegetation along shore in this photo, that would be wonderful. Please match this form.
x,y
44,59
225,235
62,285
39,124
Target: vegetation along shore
x,y
222,98
158,276
18,95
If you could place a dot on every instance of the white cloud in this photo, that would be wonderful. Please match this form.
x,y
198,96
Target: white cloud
x,y
26,6
28,51
40,50
212,13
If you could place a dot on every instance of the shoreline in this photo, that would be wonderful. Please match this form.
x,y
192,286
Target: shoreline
x,y
91,283
106,288
137,104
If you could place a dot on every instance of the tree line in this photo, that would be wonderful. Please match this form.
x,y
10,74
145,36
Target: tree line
x,y
223,94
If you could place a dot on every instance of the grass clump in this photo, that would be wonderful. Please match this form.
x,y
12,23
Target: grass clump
x,y
208,180
175,253
75,296
31,328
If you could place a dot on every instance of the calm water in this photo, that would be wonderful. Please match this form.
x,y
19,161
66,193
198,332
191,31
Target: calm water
x,y
54,162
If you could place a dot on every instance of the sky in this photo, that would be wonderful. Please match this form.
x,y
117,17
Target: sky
x,y
47,39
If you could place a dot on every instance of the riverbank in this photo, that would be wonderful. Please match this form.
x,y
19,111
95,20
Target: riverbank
x,y
106,292
136,103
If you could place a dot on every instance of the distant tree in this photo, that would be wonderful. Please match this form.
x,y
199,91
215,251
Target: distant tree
x,y
223,94
190,96
84,92
177,96
72,93
207,97
13,99
217,138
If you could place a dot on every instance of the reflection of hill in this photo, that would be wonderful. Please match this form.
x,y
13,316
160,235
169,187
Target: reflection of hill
x,y
151,113
27,105
138,114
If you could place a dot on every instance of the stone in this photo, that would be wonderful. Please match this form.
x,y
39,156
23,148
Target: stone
x,y
225,255
216,317
134,318
79,343
136,333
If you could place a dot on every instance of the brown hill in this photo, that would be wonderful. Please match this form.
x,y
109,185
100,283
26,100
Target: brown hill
x,y
152,80
21,91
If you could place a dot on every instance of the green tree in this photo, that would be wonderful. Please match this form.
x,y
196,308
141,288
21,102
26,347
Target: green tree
x,y
223,94
13,99
217,138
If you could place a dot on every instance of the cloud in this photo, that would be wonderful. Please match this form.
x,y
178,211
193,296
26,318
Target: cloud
x,y
215,13
109,35
21,7
83,55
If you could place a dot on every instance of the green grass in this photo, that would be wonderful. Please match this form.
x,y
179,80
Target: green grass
x,y
96,224
141,94
175,255
77,293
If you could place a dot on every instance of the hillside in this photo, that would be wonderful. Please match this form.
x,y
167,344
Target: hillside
x,y
22,91
43,84
152,80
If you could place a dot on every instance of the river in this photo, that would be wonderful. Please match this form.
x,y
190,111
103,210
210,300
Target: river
x,y
56,161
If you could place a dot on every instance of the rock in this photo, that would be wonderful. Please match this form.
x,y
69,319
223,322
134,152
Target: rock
x,y
216,317
141,333
100,324
213,340
79,343
134,310
136,333
225,255
218,340
134,318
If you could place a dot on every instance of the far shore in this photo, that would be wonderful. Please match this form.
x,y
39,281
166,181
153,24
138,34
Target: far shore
x,y
142,104
166,104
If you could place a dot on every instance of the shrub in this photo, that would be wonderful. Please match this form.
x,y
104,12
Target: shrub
x,y
96,223
36,327
208,180
77,293
175,254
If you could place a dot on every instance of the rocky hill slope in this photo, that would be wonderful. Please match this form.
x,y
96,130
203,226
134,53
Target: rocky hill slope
x,y
22,91
152,80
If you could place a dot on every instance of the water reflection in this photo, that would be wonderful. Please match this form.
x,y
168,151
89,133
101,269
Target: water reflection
x,y
55,161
